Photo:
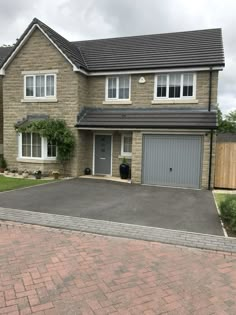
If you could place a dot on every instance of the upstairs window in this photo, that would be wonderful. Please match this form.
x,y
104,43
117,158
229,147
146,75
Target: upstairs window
x,y
175,85
118,88
40,86
162,85
188,84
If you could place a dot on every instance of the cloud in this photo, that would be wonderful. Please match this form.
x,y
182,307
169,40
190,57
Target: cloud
x,y
79,19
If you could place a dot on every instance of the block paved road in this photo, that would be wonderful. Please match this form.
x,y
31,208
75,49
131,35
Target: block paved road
x,y
46,271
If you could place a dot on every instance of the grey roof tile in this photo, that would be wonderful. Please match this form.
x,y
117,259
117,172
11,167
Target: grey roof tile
x,y
30,118
158,51
4,52
182,49
146,118
69,49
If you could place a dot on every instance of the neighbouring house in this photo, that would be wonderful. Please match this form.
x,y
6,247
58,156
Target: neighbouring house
x,y
151,99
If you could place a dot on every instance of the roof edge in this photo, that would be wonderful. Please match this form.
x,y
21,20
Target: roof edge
x,y
78,66
152,34
154,70
24,37
147,127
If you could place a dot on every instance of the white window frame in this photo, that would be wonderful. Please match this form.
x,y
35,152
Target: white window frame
x,y
45,151
128,154
45,86
44,145
181,87
117,89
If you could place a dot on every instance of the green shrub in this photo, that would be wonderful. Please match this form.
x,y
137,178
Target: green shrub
x,y
228,212
3,163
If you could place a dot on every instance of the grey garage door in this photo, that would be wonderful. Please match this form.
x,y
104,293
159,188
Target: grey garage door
x,y
172,160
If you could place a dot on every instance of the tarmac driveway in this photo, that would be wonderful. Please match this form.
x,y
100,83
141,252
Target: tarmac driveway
x,y
178,209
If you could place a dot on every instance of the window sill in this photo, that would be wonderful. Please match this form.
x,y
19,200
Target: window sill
x,y
39,100
40,72
180,101
128,157
42,161
117,102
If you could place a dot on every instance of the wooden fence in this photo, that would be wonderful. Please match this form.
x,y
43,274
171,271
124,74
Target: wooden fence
x,y
225,167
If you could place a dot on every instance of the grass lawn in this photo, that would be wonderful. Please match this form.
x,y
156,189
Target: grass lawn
x,y
8,183
222,197
219,199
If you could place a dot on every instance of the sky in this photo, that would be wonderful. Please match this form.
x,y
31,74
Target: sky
x,y
90,19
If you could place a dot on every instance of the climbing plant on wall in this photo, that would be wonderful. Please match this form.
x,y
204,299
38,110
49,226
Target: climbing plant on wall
x,y
54,130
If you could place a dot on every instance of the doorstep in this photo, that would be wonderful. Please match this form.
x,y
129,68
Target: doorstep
x,y
107,177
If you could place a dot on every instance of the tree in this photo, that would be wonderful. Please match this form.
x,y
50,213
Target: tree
x,y
227,123
232,116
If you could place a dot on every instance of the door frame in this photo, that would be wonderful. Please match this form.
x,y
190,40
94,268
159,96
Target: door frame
x,y
94,139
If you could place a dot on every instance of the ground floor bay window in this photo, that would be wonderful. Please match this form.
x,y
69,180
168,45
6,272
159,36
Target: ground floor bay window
x,y
33,146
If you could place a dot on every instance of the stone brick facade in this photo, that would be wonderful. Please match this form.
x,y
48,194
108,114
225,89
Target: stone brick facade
x,y
1,116
38,54
75,91
142,94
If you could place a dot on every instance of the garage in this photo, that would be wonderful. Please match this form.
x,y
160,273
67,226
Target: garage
x,y
172,160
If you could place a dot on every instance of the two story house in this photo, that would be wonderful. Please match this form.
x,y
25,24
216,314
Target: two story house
x,y
151,99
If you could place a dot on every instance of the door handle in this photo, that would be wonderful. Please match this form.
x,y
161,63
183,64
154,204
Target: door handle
x,y
102,158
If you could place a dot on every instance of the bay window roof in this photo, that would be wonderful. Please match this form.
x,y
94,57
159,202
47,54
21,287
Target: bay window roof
x,y
30,118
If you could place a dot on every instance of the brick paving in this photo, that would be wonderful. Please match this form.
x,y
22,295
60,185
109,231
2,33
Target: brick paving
x,y
48,271
176,237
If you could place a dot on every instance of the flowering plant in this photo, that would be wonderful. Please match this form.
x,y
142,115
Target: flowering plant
x,y
55,172
38,172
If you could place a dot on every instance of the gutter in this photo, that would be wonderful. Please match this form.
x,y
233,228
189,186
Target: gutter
x,y
145,71
211,138
118,127
210,89
210,161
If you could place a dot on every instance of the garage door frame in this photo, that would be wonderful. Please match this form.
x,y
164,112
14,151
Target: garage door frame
x,y
201,137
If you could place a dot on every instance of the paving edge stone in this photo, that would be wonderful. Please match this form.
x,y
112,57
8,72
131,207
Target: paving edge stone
x,y
139,232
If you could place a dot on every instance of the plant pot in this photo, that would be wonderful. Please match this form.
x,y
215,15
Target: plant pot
x,y
87,171
124,171
56,176
38,176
